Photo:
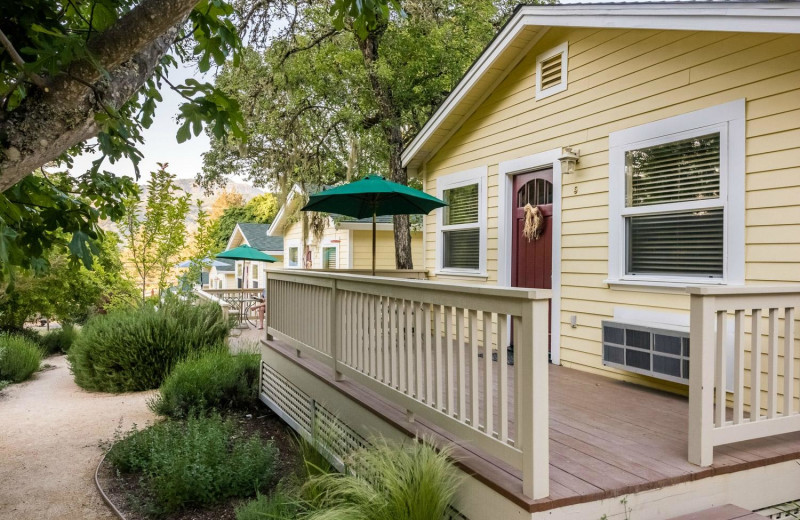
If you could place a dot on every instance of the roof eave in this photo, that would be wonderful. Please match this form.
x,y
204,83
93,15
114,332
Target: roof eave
x,y
699,16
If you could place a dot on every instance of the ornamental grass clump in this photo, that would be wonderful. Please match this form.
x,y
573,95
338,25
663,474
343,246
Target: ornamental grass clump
x,y
19,358
215,380
135,349
202,461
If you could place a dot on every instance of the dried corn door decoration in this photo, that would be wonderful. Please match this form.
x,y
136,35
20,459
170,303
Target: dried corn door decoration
x,y
534,222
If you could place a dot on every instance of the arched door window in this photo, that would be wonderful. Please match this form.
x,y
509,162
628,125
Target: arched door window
x,y
536,192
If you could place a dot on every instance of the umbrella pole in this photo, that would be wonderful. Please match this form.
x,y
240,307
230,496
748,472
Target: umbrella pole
x,y
373,243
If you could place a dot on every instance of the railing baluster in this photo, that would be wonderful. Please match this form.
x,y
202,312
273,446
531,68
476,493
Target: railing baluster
x,y
788,362
772,365
722,396
419,379
488,368
449,353
516,393
409,324
437,345
426,319
461,365
738,368
393,346
502,375
401,345
379,343
474,396
755,366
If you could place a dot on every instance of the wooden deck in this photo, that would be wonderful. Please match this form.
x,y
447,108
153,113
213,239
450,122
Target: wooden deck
x,y
607,439
728,512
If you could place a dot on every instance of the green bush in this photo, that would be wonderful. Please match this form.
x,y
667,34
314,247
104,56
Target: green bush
x,y
213,381
19,358
58,341
194,463
135,349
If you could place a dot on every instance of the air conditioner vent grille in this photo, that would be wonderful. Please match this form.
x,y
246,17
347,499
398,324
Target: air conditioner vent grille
x,y
652,351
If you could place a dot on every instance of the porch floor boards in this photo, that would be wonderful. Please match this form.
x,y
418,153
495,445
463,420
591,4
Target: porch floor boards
x,y
607,439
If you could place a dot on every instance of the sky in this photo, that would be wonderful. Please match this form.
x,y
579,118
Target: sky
x,y
186,159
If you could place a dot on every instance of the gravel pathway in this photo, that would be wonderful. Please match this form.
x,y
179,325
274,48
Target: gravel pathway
x,y
49,444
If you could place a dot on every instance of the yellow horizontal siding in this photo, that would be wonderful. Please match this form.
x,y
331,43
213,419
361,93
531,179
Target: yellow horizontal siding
x,y
618,79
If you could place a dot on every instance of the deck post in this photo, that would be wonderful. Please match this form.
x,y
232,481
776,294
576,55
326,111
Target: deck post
x,y
701,379
334,332
267,306
532,364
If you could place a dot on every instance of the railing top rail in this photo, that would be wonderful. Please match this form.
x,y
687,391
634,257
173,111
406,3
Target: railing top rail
x,y
207,296
743,290
516,293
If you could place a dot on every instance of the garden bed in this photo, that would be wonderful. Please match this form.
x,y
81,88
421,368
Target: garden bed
x,y
126,493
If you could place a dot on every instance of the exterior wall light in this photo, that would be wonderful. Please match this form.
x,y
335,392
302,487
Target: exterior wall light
x,y
569,159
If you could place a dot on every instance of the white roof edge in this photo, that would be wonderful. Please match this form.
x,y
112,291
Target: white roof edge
x,y
760,17
277,222
230,238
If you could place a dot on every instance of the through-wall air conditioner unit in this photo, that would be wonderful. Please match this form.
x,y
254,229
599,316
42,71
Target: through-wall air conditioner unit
x,y
652,351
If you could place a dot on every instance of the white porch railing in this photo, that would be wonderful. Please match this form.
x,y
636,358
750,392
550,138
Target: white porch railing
x,y
209,297
428,347
762,349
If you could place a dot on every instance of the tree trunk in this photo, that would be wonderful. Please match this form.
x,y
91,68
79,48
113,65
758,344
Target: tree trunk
x,y
51,120
392,130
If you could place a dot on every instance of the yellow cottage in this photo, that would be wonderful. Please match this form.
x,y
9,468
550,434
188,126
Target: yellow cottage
x,y
623,184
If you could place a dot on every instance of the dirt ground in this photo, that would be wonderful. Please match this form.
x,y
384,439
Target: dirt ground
x,y
50,432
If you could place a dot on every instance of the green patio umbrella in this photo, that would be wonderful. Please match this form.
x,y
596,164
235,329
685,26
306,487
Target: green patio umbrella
x,y
372,196
246,253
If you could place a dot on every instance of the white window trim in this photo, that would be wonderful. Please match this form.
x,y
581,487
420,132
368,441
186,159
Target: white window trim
x,y
456,180
562,49
292,244
729,120
327,245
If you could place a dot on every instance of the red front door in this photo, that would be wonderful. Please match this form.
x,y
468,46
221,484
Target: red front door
x,y
532,259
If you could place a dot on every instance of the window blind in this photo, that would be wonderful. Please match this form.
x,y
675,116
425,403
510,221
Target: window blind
x,y
683,243
329,258
462,205
461,249
680,171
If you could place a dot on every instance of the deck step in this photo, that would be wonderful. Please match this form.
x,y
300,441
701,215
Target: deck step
x,y
726,512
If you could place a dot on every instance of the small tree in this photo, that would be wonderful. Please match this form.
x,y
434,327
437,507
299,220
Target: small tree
x,y
156,236
202,245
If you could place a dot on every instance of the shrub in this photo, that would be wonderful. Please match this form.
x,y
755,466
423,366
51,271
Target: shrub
x,y
58,341
411,482
135,349
19,358
198,462
213,381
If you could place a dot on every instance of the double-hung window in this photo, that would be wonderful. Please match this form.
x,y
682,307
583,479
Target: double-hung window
x,y
461,237
293,255
677,199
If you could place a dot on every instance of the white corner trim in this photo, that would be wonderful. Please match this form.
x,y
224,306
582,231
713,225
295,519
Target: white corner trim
x,y
729,120
237,229
277,222
505,187
562,49
477,176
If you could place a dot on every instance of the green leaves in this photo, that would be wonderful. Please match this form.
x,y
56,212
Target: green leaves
x,y
364,15
209,106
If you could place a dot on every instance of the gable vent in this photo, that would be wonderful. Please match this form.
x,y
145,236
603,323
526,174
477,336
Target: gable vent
x,y
551,71
656,352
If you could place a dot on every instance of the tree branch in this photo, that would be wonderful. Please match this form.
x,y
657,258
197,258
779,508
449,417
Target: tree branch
x,y
19,62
